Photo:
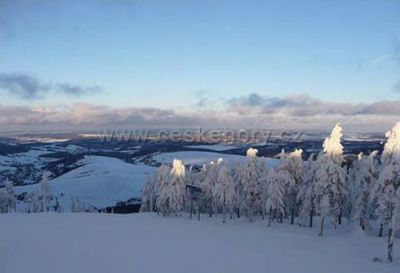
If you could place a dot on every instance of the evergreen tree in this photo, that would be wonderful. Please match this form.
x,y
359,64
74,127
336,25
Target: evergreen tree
x,y
305,195
275,194
365,177
161,187
224,192
330,179
252,185
176,191
8,201
237,173
148,195
45,192
209,184
388,198
290,170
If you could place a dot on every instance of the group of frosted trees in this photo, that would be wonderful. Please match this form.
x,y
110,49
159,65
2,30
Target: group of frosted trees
x,y
38,201
324,187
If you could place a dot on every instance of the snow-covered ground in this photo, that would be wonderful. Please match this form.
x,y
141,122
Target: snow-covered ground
x,y
200,158
147,243
100,182
214,147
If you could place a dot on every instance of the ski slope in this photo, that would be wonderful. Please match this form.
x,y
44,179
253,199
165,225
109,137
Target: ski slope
x,y
147,243
100,182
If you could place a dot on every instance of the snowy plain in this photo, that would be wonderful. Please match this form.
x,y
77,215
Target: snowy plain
x,y
148,243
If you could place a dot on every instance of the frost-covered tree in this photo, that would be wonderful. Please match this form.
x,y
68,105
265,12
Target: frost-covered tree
x,y
148,195
45,192
209,184
57,207
290,170
275,194
224,191
8,201
365,177
161,187
305,194
177,187
252,178
330,179
388,198
33,201
73,205
237,181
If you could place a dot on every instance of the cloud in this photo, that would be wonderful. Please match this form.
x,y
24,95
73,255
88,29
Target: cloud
x,y
302,105
29,87
22,85
84,116
298,112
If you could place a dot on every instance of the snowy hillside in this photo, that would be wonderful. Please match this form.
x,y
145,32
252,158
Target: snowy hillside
x,y
148,243
100,182
200,158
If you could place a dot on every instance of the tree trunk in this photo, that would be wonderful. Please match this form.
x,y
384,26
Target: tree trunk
x,y
198,213
238,213
321,227
381,230
292,217
390,245
362,224
223,214
340,217
391,235
191,208
311,218
270,216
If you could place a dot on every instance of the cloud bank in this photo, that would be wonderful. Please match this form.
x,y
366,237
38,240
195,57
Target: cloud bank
x,y
25,86
252,111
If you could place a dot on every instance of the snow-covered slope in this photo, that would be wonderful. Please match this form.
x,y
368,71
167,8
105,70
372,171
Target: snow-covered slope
x,y
147,243
101,182
199,158
214,147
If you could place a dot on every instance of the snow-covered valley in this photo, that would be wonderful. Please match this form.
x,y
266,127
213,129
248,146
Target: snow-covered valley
x,y
148,243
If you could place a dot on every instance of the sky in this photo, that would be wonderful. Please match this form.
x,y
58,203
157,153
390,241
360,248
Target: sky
x,y
302,63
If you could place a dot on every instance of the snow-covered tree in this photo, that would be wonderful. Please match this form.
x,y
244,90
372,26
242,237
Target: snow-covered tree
x,y
209,184
290,170
45,192
7,198
237,181
224,191
305,194
252,178
388,198
73,205
57,207
161,187
33,201
330,179
148,195
365,177
177,187
275,194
